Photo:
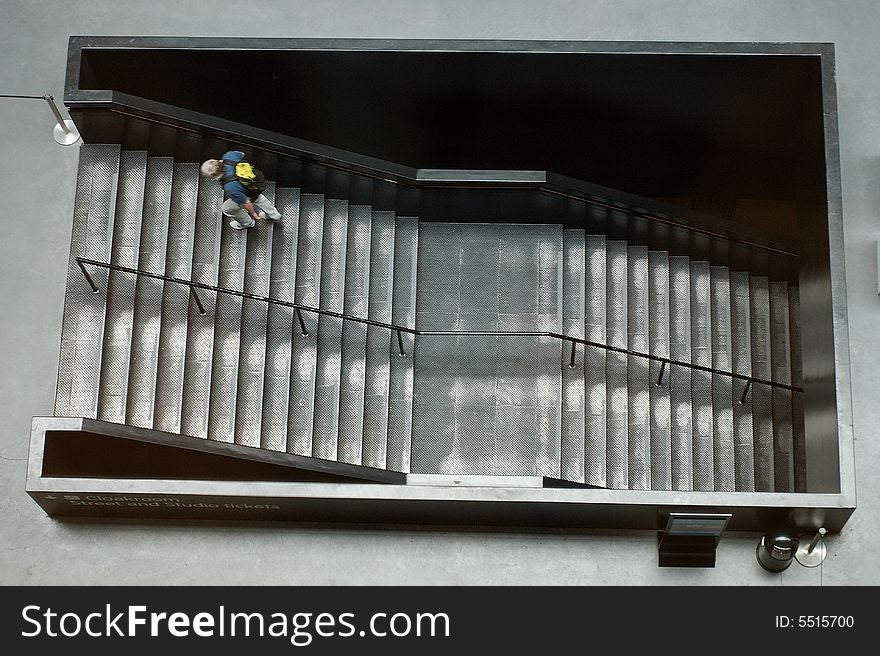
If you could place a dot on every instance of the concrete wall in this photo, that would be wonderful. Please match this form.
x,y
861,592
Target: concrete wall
x,y
38,178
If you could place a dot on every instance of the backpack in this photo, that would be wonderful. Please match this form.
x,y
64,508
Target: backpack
x,y
249,176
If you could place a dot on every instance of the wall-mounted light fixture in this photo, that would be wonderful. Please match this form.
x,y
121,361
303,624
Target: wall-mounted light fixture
x,y
776,550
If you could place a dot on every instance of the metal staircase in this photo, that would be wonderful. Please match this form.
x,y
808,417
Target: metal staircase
x,y
141,351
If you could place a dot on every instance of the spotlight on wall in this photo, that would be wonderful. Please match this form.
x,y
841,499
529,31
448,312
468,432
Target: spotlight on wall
x,y
776,550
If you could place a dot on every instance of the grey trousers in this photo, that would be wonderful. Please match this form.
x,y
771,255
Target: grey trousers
x,y
234,211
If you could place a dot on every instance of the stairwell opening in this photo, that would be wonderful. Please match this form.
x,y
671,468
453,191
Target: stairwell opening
x,y
674,200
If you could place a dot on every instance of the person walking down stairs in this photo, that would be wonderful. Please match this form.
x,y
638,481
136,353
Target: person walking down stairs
x,y
243,186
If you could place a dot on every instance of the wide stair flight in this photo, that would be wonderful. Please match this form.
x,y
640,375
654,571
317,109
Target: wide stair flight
x,y
142,352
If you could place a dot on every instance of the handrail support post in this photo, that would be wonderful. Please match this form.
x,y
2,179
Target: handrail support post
x,y
660,376
88,278
65,132
302,323
58,117
400,344
192,291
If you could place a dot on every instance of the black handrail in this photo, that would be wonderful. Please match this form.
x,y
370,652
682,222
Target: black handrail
x,y
81,261
232,292
617,349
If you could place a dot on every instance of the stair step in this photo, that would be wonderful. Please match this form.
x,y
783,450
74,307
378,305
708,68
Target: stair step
x,y
638,371
301,406
254,318
377,363
175,299
325,435
573,309
701,381
282,326
148,296
401,370
595,326
549,350
780,357
680,379
741,351
617,411
722,386
659,392
761,396
354,334
82,330
227,335
197,374
120,291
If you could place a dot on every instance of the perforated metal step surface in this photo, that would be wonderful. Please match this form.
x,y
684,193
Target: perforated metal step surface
x,y
488,404
141,352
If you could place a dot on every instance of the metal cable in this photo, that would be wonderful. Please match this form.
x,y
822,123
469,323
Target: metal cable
x,y
12,95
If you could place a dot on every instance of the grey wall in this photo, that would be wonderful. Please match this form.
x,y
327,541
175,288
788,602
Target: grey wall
x,y
37,178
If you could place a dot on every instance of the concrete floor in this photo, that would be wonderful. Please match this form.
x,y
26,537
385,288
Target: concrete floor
x,y
38,179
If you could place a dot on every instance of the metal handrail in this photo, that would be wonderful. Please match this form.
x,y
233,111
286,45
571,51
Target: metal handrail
x,y
82,261
232,292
